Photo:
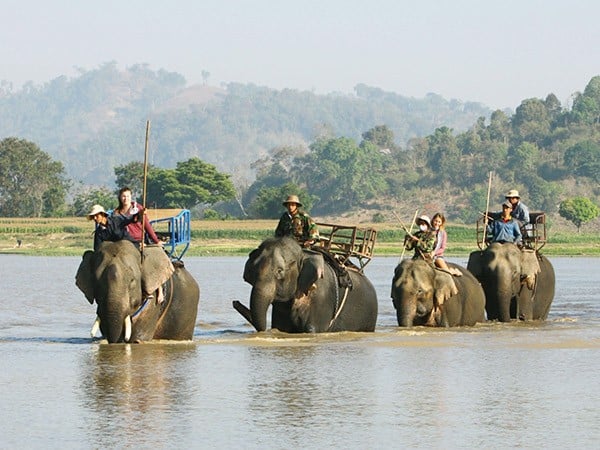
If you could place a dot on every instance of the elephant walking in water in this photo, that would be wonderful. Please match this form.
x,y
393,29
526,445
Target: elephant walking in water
x,y
305,292
517,283
423,295
117,275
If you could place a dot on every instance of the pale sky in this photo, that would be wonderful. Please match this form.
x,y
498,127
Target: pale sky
x,y
494,52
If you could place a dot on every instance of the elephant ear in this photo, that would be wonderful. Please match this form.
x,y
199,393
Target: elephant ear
x,y
445,287
313,268
84,279
249,267
475,264
530,267
156,269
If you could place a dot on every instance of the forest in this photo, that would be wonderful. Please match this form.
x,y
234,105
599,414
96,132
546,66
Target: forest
x,y
372,153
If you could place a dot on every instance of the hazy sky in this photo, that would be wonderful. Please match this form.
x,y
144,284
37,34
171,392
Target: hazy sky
x,y
496,52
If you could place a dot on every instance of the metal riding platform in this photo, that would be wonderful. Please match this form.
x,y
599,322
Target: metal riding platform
x,y
534,233
172,226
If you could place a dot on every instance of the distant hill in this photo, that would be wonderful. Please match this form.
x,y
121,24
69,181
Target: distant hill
x,y
96,120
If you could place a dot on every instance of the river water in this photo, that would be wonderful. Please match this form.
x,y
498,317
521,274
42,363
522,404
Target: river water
x,y
493,385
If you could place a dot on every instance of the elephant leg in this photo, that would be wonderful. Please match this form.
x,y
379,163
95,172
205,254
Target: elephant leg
x,y
281,317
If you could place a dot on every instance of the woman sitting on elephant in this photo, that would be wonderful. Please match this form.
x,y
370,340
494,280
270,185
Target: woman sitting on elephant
x,y
135,229
423,241
441,238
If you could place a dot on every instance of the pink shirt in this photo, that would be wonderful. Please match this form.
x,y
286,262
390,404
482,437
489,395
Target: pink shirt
x,y
135,228
440,243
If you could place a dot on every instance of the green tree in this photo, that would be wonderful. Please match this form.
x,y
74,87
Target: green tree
x,y
89,196
191,183
578,210
499,128
583,159
531,121
268,201
381,136
525,157
31,183
586,106
443,157
343,174
132,176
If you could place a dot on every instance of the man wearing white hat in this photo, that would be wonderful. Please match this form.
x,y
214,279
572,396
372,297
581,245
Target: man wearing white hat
x,y
110,228
297,224
423,241
520,211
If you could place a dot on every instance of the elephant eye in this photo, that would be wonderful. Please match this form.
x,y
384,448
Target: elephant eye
x,y
279,273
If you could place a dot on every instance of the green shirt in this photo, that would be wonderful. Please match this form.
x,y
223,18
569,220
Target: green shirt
x,y
424,246
300,226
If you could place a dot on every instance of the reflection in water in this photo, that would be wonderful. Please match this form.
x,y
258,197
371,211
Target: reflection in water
x,y
134,389
296,394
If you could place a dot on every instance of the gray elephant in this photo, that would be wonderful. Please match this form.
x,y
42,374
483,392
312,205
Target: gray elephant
x,y
517,283
306,294
423,295
117,275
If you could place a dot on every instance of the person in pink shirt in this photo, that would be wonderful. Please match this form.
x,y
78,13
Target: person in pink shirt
x,y
127,207
438,222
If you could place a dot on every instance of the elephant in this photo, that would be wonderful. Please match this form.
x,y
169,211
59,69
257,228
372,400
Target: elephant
x,y
117,275
424,295
305,291
518,283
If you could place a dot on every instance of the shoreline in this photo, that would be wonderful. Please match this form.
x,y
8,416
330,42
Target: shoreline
x,y
73,236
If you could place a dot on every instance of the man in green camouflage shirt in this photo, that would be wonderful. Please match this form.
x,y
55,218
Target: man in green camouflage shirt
x,y
297,224
423,241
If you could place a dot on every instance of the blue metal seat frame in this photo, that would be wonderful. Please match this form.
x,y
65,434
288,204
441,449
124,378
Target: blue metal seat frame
x,y
179,234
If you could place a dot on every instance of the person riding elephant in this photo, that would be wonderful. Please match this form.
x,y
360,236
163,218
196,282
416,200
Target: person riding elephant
x,y
110,228
423,241
305,292
423,295
297,224
518,283
519,210
505,228
117,277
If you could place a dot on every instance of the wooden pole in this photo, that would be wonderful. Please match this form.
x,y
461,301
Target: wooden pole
x,y
487,209
409,231
144,184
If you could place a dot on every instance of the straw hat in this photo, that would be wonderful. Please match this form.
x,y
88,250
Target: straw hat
x,y
425,219
292,199
96,209
512,193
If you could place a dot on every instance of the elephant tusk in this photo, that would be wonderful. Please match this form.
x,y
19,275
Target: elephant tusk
x,y
95,327
127,328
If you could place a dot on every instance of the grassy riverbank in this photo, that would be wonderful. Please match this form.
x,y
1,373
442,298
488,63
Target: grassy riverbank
x,y
72,236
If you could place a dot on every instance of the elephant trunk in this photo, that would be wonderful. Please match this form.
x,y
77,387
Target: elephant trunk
x,y
406,310
113,324
260,300
407,316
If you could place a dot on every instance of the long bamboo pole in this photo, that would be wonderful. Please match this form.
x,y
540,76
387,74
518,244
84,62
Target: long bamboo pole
x,y
144,184
487,209
409,231
487,202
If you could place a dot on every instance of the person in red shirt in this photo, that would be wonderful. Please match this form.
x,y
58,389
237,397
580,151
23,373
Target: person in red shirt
x,y
128,207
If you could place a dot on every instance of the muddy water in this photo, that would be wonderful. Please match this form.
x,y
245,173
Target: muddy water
x,y
496,385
